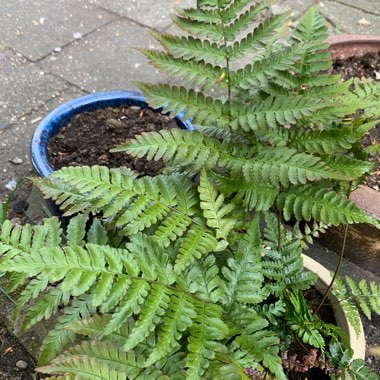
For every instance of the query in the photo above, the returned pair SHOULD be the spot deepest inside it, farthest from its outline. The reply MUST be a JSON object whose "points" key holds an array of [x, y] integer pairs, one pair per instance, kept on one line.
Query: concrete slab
{"points": [[107, 59], [370, 6], [36, 29], [349, 20], [155, 14], [15, 140], [24, 86], [298, 7]]}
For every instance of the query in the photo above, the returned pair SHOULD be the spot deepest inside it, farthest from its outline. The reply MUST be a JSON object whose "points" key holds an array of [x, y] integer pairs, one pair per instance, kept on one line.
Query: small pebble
{"points": [[21, 364], [16, 160], [77, 35]]}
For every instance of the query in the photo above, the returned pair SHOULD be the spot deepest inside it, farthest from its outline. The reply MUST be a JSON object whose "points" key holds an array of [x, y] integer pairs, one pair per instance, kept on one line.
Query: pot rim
{"points": [[61, 115], [357, 342]]}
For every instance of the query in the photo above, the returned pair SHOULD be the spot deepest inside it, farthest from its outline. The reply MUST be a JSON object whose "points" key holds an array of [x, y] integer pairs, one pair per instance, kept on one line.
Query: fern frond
{"points": [[200, 29], [204, 109], [190, 48], [283, 166], [76, 230], [206, 331], [235, 7], [251, 194], [199, 73], [244, 279], [59, 337], [260, 35], [328, 141], [213, 209], [197, 242], [365, 295], [201, 15], [340, 291], [84, 366], [244, 20], [176, 146], [322, 205]]}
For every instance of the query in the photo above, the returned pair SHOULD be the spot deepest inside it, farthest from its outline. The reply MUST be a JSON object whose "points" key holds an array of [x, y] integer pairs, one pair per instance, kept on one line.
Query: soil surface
{"points": [[367, 66], [89, 136], [15, 362]]}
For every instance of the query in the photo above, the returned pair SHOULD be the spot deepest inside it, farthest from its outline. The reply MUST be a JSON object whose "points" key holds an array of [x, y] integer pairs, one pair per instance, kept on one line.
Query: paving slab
{"points": [[155, 14], [348, 19], [298, 7], [15, 140], [24, 86], [36, 29], [370, 6], [107, 59]]}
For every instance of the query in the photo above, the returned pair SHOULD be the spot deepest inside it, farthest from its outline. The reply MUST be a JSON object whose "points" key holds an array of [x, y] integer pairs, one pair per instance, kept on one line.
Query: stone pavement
{"points": [[54, 50]]}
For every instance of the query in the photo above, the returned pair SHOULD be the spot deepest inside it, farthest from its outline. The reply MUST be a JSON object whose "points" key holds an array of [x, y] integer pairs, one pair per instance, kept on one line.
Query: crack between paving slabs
{"points": [[355, 7]]}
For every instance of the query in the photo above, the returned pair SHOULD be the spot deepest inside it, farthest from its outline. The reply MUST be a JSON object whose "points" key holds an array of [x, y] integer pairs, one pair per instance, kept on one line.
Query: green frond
{"points": [[76, 230], [191, 48], [259, 36], [200, 29], [283, 166], [214, 209], [176, 146], [244, 278], [311, 27], [341, 292], [198, 73], [251, 195], [206, 332], [359, 371], [83, 367], [197, 242], [178, 319], [322, 205], [59, 337], [280, 110], [328, 141], [243, 20], [201, 15], [204, 109], [235, 7], [261, 71], [350, 168], [365, 295]]}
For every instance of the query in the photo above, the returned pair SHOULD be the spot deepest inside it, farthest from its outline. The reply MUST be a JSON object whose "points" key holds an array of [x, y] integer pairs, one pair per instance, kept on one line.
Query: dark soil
{"points": [[15, 362], [89, 136], [367, 66]]}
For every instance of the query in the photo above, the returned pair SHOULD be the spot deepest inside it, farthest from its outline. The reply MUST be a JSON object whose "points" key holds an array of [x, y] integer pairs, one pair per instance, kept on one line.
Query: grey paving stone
{"points": [[155, 14], [371, 6], [24, 86], [298, 7], [35, 27], [349, 20], [15, 141], [107, 59]]}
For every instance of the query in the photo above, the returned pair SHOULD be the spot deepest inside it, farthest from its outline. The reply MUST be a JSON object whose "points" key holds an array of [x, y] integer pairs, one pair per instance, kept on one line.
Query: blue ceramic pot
{"points": [[52, 123]]}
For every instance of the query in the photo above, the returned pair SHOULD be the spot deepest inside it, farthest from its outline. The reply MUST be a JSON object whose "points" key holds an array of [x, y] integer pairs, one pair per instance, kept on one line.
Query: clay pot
{"points": [[357, 342], [363, 243]]}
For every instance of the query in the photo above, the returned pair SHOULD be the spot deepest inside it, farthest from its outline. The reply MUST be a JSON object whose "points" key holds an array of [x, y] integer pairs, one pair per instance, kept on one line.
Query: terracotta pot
{"points": [[357, 342], [363, 243]]}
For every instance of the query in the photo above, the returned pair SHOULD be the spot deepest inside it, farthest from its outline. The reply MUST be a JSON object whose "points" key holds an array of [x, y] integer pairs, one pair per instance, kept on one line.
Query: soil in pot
{"points": [[89, 136], [367, 66]]}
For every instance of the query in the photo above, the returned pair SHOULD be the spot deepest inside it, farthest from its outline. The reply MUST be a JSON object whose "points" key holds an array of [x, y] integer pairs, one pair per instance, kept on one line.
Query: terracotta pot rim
{"points": [[357, 342], [346, 39]]}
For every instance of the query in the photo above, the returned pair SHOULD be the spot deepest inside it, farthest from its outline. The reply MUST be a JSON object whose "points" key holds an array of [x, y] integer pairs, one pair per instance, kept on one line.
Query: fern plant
{"points": [[173, 278]]}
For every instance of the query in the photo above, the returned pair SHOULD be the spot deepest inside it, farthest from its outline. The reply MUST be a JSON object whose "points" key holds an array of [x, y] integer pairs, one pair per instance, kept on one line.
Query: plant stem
{"points": [[340, 261], [279, 232]]}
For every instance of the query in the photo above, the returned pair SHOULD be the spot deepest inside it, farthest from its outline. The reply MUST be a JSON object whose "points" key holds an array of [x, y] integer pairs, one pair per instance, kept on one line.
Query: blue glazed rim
{"points": [[60, 116]]}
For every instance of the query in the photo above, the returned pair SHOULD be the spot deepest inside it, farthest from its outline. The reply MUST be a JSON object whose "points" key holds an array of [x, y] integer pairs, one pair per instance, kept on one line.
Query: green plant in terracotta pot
{"points": [[175, 278]]}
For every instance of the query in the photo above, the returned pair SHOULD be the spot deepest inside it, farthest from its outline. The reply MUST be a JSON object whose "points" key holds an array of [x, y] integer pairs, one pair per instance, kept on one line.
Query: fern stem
{"points": [[279, 232], [340, 261]]}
